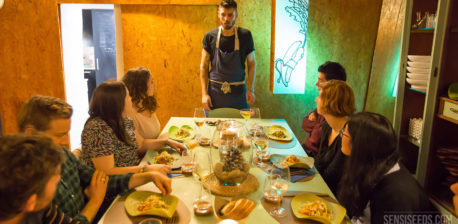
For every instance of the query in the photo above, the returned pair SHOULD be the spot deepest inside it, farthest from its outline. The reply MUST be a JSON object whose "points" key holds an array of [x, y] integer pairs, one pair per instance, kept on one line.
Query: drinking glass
{"points": [[202, 165], [255, 117], [203, 202], [187, 164], [199, 120], [279, 182], [270, 194], [262, 149], [246, 113]]}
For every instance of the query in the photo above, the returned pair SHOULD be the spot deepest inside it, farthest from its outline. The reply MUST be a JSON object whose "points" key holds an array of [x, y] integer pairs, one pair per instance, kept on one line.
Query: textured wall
{"points": [[168, 41], [30, 57], [386, 59], [343, 31]]}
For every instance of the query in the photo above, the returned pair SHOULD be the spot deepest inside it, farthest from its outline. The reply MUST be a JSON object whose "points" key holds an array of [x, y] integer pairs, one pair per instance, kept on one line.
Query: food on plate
{"points": [[212, 122], [183, 133], [290, 160], [153, 201], [316, 208], [238, 209], [279, 133], [164, 158]]}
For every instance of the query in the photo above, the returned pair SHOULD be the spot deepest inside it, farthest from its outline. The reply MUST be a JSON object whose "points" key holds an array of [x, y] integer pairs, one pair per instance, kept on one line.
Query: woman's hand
{"points": [[176, 145], [162, 182], [98, 187], [164, 169]]}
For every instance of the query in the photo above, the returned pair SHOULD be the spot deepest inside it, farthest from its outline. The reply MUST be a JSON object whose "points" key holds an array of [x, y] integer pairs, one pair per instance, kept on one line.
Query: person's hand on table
{"points": [[207, 102], [176, 145], [250, 97], [312, 117], [161, 168], [162, 182], [98, 186]]}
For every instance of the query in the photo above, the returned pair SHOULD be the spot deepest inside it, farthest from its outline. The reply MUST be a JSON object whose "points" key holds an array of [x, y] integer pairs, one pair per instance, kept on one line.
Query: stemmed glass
{"points": [[255, 117], [199, 119], [279, 183], [262, 145], [246, 113]]}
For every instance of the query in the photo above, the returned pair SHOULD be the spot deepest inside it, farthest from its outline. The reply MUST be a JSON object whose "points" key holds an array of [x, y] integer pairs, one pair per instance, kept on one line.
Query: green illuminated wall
{"points": [[343, 31], [385, 68]]}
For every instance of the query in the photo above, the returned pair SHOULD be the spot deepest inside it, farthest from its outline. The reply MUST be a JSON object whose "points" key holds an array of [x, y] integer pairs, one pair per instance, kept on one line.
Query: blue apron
{"points": [[227, 67]]}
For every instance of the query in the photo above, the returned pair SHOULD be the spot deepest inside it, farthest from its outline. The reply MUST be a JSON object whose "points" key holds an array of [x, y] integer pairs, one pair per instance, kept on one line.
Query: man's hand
{"points": [[98, 187], [161, 168], [162, 182], [312, 117], [176, 145], [206, 101], [250, 97]]}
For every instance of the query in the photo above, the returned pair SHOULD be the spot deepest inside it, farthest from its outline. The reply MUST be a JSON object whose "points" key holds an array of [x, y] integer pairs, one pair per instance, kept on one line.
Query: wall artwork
{"points": [[289, 48]]}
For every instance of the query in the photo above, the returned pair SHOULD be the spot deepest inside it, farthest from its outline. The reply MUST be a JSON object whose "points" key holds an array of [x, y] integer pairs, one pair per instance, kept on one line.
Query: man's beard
{"points": [[228, 27]]}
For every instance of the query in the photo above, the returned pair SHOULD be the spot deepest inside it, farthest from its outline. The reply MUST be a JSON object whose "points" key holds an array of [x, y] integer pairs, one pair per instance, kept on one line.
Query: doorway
{"points": [[89, 57]]}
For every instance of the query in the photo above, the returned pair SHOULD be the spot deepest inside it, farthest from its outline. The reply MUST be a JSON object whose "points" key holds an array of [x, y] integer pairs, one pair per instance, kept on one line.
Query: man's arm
{"points": [[251, 62], [204, 65]]}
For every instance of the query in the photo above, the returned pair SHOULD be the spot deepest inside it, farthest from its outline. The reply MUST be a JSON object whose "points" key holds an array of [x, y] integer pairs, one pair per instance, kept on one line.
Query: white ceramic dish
{"points": [[420, 82], [419, 64], [418, 76], [418, 70], [419, 58]]}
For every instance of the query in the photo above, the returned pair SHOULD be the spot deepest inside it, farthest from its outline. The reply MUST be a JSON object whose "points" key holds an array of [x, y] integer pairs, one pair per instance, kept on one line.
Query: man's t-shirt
{"points": [[227, 43]]}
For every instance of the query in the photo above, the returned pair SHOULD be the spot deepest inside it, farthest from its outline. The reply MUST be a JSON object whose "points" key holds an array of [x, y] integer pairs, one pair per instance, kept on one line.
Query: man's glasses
{"points": [[341, 132]]}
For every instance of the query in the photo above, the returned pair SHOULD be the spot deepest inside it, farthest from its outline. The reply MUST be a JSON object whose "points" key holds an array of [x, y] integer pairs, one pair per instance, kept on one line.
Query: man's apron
{"points": [[227, 87]]}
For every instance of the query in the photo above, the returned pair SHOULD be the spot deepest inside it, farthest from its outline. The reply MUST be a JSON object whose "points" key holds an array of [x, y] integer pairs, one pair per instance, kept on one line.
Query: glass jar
{"points": [[234, 153]]}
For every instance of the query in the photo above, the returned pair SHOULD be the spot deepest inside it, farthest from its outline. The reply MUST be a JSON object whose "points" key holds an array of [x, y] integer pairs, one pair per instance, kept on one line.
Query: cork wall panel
{"points": [[168, 41], [342, 31], [385, 69], [30, 56]]}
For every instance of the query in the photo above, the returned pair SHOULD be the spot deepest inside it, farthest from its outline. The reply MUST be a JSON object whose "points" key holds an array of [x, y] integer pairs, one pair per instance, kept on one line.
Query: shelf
{"points": [[447, 118], [425, 31], [418, 91], [443, 196]]}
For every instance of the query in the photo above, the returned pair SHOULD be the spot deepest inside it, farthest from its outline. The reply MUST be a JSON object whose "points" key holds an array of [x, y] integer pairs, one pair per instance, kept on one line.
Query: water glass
{"points": [[203, 202], [203, 166], [187, 164], [280, 179]]}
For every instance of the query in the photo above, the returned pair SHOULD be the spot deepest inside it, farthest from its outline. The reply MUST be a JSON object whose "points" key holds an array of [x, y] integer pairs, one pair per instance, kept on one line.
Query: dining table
{"points": [[187, 188]]}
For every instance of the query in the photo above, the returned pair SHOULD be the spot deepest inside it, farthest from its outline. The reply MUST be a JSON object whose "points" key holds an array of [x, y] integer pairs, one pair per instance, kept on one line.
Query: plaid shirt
{"points": [[52, 215], [75, 177]]}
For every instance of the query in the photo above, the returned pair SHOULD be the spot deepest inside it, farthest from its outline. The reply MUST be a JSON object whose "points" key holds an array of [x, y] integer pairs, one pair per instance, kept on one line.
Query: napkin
{"points": [[301, 173]]}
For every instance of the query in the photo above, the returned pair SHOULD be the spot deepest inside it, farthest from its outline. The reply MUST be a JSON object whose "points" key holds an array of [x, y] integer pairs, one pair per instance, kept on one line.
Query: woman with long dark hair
{"points": [[335, 103], [109, 140], [374, 183], [140, 84]]}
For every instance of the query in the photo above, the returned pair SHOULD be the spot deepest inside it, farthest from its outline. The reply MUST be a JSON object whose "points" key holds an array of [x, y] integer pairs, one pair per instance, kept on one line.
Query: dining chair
{"points": [[224, 113]]}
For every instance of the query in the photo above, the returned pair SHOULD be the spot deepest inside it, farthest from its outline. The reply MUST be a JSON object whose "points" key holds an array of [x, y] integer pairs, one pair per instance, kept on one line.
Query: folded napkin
{"points": [[298, 174]]}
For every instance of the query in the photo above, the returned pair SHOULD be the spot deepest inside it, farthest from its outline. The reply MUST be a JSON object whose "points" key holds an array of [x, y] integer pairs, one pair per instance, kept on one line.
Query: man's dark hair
{"points": [[333, 70], [228, 4], [39, 110], [26, 165]]}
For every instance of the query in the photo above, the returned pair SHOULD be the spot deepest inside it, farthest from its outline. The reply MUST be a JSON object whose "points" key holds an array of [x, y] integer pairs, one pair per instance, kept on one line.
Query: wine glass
{"points": [[246, 113], [279, 182], [202, 165], [255, 117], [262, 145], [199, 120]]}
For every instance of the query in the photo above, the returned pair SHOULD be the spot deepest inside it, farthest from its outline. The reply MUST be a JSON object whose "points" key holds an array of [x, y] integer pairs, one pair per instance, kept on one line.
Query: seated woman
{"points": [[374, 183], [335, 103], [140, 84], [108, 139]]}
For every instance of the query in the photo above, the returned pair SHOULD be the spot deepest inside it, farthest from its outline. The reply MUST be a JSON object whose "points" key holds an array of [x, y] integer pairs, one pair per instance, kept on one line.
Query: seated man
{"points": [[28, 185], [50, 116], [313, 121]]}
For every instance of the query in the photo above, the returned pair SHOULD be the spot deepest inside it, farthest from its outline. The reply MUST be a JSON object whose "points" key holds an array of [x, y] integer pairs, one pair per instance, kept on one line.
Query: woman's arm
{"points": [[145, 144], [106, 164]]}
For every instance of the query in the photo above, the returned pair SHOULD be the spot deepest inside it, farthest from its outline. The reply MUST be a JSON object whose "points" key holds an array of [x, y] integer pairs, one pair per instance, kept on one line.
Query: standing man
{"points": [[227, 48]]}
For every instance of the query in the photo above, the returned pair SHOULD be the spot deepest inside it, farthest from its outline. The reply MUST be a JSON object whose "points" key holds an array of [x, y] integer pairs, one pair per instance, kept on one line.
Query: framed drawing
{"points": [[288, 46]]}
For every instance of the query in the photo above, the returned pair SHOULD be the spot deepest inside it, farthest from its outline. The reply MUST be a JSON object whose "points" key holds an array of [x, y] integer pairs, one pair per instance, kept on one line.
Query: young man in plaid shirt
{"points": [[51, 116]]}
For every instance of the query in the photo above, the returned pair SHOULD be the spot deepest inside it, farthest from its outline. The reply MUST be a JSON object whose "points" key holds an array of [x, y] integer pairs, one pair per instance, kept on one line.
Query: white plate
{"points": [[419, 64], [420, 82], [419, 58], [419, 88], [418, 76], [419, 70]]}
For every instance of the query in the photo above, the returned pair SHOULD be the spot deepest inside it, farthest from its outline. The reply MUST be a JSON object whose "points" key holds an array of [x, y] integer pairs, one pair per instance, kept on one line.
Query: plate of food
{"points": [[279, 133], [167, 156], [182, 133], [310, 206], [150, 203], [292, 161]]}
